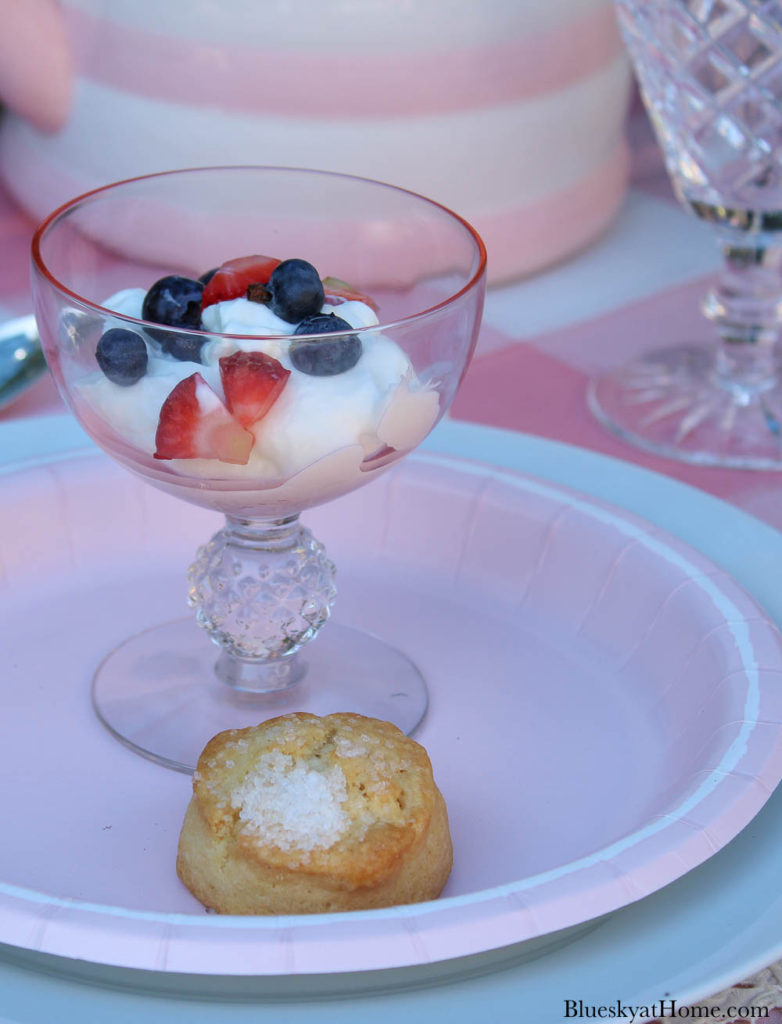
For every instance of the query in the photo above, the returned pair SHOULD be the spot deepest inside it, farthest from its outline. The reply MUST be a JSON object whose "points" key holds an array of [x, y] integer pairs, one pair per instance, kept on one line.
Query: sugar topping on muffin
{"points": [[291, 804]]}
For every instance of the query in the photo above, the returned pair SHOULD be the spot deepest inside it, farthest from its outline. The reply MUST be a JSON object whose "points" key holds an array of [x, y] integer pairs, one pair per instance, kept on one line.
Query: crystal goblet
{"points": [[710, 73], [262, 437]]}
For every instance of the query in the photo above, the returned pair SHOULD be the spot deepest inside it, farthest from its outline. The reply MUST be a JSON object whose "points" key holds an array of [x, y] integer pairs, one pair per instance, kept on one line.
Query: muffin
{"points": [[305, 815]]}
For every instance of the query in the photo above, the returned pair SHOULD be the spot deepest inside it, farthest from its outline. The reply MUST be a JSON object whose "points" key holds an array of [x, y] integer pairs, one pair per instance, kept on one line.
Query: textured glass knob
{"points": [[262, 589]]}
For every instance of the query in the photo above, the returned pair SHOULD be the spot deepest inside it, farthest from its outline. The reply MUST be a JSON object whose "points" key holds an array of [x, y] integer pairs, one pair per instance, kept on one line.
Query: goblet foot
{"points": [[674, 402], [160, 695]]}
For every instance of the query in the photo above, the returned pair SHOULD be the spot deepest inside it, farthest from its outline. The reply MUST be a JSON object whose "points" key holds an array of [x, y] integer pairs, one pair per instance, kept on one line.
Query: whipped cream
{"points": [[377, 404]]}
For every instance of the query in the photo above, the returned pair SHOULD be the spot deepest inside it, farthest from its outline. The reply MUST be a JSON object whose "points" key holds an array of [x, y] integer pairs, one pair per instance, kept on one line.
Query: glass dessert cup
{"points": [[711, 80], [262, 588]]}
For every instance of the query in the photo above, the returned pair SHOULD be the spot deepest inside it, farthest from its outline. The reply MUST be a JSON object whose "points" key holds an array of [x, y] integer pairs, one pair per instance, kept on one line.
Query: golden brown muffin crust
{"points": [[317, 806]]}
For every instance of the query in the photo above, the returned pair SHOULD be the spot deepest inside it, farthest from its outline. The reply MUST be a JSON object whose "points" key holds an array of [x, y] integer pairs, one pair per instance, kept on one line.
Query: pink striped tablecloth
{"points": [[638, 286]]}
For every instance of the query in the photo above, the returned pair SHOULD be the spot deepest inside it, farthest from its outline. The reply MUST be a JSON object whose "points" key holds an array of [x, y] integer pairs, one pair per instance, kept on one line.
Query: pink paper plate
{"points": [[605, 713]]}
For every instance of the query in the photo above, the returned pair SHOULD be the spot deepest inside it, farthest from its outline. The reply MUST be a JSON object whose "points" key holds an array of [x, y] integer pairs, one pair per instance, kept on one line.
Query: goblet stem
{"points": [[719, 405], [262, 589], [745, 306]]}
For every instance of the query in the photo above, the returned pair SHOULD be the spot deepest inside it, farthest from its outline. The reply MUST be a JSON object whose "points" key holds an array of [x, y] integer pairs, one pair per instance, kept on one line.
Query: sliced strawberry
{"points": [[232, 279], [382, 457], [340, 291], [252, 382], [194, 424]]}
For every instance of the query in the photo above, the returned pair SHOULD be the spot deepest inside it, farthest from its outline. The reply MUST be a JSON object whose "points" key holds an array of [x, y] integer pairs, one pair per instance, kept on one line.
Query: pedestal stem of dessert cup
{"points": [[262, 589]]}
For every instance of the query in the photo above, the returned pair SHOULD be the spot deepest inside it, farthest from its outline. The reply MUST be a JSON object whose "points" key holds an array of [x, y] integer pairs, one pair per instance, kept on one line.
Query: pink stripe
{"points": [[520, 240], [528, 238], [357, 84]]}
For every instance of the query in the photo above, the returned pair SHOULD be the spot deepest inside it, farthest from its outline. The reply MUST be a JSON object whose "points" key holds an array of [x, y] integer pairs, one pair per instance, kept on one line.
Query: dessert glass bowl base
{"points": [[157, 692], [672, 402]]}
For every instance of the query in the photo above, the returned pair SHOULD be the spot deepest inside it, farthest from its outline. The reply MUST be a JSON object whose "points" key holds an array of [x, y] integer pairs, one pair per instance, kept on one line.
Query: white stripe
{"points": [[494, 158], [303, 25]]}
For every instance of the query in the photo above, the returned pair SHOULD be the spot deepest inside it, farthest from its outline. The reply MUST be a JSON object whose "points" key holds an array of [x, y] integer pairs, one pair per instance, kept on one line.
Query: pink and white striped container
{"points": [[509, 111]]}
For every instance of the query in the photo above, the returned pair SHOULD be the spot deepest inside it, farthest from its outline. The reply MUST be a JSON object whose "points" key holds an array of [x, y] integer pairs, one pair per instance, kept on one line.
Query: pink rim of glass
{"points": [[72, 204]]}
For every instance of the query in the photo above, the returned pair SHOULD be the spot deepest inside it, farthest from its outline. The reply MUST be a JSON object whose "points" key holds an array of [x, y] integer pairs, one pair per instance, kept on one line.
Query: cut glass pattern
{"points": [[711, 75]]}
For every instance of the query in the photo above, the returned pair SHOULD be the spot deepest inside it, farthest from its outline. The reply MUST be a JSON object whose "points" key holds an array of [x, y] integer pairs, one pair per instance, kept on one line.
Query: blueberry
{"points": [[204, 279], [175, 301], [296, 291], [328, 357], [323, 323], [185, 347], [122, 355]]}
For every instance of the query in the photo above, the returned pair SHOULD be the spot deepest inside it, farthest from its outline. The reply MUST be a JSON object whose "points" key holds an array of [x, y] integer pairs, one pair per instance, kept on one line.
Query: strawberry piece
{"points": [[232, 279], [252, 382], [194, 424], [337, 291]]}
